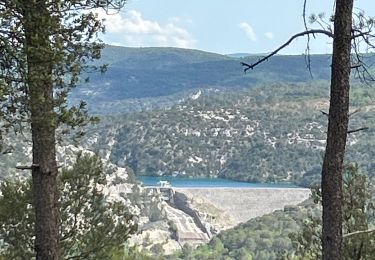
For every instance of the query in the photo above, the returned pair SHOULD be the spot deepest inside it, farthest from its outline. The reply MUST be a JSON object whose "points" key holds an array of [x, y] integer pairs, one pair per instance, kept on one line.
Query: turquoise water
{"points": [[208, 183]]}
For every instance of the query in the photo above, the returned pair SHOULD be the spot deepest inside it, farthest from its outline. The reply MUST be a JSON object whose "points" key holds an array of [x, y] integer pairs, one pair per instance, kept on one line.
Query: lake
{"points": [[179, 182]]}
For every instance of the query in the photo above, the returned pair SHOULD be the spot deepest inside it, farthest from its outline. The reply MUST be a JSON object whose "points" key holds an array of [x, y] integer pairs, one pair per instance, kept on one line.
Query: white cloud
{"points": [[269, 35], [133, 30], [248, 30]]}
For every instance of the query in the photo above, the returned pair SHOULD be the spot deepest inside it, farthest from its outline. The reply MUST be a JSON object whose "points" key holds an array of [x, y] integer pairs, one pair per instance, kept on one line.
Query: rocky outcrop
{"points": [[181, 202]]}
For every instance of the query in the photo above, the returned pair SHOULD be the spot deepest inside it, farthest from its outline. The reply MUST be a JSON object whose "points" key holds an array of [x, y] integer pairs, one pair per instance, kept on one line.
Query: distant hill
{"points": [[268, 133], [244, 55], [238, 55], [157, 73], [202, 116]]}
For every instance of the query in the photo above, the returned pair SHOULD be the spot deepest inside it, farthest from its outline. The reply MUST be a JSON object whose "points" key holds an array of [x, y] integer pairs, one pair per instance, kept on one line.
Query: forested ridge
{"points": [[268, 133], [73, 141], [148, 78]]}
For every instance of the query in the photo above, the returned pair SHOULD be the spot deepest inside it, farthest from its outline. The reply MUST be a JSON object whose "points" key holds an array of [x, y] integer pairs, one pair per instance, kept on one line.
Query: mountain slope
{"points": [[144, 73], [273, 133]]}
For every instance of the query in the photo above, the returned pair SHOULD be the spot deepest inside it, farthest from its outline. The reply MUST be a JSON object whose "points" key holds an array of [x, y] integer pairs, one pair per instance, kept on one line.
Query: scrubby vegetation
{"points": [[92, 224], [294, 233], [269, 133]]}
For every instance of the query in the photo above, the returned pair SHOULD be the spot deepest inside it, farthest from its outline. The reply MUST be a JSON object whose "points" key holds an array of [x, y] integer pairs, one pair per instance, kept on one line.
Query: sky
{"points": [[220, 26]]}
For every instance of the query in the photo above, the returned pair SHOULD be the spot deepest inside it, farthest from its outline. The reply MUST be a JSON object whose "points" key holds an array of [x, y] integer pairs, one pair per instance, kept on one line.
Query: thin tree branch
{"points": [[324, 113], [358, 33], [355, 112], [350, 114], [356, 66], [32, 167], [304, 15], [307, 51], [27, 167], [358, 232], [357, 130], [304, 33]]}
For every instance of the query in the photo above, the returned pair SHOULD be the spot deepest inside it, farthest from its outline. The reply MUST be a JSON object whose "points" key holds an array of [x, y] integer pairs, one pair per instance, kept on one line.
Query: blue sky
{"points": [[221, 26]]}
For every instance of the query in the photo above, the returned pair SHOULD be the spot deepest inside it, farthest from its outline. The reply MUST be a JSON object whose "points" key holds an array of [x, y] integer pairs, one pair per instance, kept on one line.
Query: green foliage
{"points": [[260, 238], [47, 44], [148, 204], [106, 224], [294, 233], [357, 209], [272, 133], [16, 220], [91, 225], [172, 229], [214, 250], [133, 253]]}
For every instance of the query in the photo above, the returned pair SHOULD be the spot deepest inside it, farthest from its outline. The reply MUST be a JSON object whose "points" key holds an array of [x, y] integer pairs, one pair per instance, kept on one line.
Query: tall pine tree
{"points": [[349, 33], [44, 46]]}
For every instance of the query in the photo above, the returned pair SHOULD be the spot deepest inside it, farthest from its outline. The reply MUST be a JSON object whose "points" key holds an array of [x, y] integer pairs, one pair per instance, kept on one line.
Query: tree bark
{"points": [[337, 132], [37, 24]]}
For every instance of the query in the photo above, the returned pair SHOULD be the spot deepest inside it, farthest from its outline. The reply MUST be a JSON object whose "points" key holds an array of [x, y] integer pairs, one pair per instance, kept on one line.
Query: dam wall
{"points": [[228, 207]]}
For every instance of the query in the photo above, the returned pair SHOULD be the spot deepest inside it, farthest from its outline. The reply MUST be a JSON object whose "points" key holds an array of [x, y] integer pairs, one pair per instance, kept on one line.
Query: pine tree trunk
{"points": [[337, 132], [37, 24]]}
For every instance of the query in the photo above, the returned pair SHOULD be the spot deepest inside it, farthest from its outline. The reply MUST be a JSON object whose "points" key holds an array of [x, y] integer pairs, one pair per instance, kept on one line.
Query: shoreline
{"points": [[239, 188], [227, 188]]}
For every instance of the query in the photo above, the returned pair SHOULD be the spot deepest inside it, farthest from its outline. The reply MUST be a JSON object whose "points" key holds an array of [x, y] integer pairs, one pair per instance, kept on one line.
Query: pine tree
{"points": [[350, 32], [93, 226], [44, 46]]}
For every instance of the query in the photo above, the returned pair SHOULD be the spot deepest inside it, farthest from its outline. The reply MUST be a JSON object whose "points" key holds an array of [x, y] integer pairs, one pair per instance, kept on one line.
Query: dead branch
{"points": [[356, 66], [358, 232], [27, 167], [350, 114], [304, 33], [324, 113], [357, 130], [32, 167], [307, 57], [355, 112]]}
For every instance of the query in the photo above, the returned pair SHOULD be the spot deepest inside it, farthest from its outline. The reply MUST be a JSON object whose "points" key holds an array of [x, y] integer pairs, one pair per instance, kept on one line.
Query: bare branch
{"points": [[361, 67], [304, 33], [27, 167], [304, 15], [355, 112], [358, 33], [358, 232], [307, 51], [32, 167], [356, 66], [357, 130], [324, 113], [350, 114]]}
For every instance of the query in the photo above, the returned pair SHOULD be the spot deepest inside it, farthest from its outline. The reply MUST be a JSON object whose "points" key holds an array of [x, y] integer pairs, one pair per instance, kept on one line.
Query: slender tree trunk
{"points": [[37, 24], [337, 132]]}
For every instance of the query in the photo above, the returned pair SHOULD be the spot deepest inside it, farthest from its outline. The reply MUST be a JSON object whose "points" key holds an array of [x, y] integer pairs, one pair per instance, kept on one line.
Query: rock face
{"points": [[199, 213], [188, 232], [223, 208]]}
